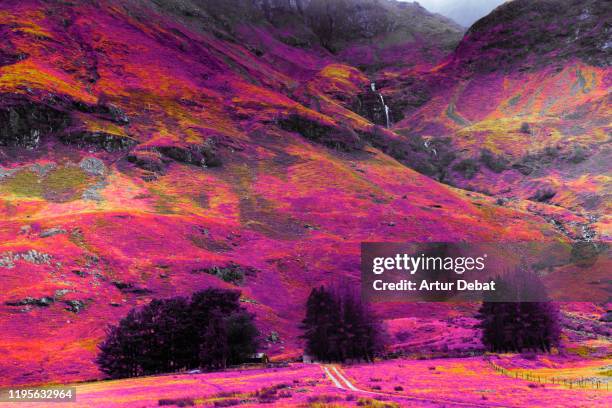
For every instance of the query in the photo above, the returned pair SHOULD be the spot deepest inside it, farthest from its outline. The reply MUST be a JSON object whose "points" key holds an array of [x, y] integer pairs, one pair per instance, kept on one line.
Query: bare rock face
{"points": [[204, 155], [334, 24], [97, 140], [335, 137], [23, 122], [148, 160]]}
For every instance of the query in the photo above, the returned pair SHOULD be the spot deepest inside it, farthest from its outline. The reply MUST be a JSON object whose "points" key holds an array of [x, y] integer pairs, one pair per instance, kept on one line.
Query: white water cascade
{"points": [[382, 101]]}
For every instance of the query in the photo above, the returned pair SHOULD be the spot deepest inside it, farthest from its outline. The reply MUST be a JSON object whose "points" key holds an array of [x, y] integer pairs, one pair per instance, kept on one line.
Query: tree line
{"points": [[211, 330]]}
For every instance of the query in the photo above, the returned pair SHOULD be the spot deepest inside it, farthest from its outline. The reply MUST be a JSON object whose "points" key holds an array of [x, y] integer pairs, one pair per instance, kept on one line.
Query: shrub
{"points": [[543, 195], [179, 402], [210, 330], [402, 336], [231, 273], [227, 402], [398, 388], [374, 403], [578, 155], [226, 394], [325, 398], [467, 168], [495, 163], [285, 394], [270, 394], [525, 128]]}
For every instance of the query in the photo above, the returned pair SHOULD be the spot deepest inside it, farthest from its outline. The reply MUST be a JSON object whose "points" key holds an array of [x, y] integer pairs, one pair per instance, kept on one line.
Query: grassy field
{"points": [[393, 383]]}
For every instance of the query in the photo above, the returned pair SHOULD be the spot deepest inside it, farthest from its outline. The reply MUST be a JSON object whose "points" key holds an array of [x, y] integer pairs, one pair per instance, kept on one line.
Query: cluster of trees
{"points": [[339, 327], [210, 330], [524, 320]]}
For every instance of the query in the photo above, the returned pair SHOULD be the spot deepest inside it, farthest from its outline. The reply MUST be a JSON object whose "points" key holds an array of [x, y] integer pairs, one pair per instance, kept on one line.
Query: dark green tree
{"points": [[339, 327], [211, 330], [519, 316]]}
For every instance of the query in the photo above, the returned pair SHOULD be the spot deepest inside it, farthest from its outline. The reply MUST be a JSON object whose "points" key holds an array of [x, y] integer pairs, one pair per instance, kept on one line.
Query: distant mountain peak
{"points": [[525, 34]]}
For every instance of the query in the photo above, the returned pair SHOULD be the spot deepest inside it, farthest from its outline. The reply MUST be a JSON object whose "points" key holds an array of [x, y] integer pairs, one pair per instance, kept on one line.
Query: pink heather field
{"points": [[186, 186], [443, 382]]}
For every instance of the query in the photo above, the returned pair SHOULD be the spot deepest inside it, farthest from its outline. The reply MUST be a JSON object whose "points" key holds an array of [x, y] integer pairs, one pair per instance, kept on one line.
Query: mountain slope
{"points": [[525, 101], [142, 158]]}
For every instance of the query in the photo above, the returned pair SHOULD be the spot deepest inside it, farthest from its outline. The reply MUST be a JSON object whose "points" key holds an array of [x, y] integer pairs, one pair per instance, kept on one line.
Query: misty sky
{"points": [[464, 12]]}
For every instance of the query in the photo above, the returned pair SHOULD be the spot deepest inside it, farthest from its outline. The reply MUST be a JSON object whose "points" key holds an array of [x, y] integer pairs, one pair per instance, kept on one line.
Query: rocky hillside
{"points": [[369, 34], [524, 103], [526, 34], [154, 148]]}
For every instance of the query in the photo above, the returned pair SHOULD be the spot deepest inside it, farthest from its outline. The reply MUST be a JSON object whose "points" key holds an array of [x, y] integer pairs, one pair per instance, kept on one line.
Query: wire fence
{"points": [[589, 383]]}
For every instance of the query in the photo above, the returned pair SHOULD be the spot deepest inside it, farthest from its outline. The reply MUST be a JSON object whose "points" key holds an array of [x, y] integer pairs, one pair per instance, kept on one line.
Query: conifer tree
{"points": [[339, 327], [210, 330], [519, 316]]}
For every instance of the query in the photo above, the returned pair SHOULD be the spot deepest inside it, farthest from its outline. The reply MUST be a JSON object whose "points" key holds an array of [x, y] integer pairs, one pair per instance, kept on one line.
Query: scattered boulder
{"points": [[61, 293], [44, 301], [32, 256], [93, 166], [74, 306], [52, 232], [127, 287]]}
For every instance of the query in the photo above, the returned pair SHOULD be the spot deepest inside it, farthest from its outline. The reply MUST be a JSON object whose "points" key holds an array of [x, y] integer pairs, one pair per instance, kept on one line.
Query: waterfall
{"points": [[386, 108], [387, 116], [382, 101]]}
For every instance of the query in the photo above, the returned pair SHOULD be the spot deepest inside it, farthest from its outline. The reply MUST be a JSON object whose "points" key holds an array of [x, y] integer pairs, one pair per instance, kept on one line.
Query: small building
{"points": [[308, 359], [258, 358]]}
